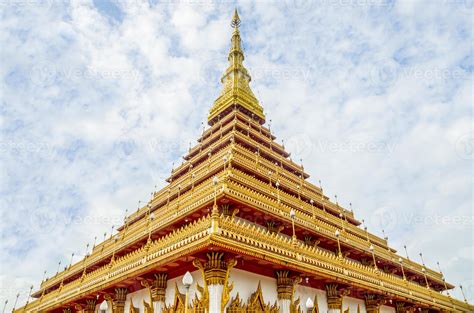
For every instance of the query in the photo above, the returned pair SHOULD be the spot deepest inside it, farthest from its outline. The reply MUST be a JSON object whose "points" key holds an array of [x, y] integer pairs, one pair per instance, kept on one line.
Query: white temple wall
{"points": [[246, 283], [137, 297]]}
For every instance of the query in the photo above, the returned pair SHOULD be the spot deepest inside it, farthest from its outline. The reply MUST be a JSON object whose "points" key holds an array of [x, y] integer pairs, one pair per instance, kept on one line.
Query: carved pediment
{"points": [[177, 306], [256, 303], [236, 305], [197, 305]]}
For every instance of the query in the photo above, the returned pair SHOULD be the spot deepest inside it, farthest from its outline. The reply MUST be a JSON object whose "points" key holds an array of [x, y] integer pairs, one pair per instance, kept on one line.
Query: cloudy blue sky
{"points": [[99, 98]]}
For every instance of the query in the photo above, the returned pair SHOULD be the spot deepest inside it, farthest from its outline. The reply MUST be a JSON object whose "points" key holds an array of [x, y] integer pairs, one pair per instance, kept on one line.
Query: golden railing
{"points": [[389, 255], [228, 122], [269, 204], [290, 181]]}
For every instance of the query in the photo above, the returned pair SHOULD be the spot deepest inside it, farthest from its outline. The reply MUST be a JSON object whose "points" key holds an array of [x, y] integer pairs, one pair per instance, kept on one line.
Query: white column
{"points": [[334, 311], [158, 306], [215, 298], [284, 305]]}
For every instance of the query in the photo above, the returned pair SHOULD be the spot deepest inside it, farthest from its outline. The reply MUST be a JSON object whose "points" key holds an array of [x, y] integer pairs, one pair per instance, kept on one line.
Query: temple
{"points": [[239, 228]]}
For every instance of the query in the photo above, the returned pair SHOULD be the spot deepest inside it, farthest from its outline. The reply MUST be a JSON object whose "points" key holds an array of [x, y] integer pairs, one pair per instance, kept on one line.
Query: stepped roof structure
{"points": [[239, 203]]}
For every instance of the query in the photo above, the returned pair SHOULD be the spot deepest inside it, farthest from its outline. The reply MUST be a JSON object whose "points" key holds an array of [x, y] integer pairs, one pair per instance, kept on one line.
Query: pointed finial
{"points": [[235, 20], [422, 260], [406, 251], [59, 265], [4, 306], [463, 295], [16, 301]]}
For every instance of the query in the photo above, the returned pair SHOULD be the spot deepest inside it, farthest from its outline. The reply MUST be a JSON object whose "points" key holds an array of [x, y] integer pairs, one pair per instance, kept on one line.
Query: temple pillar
{"points": [[158, 292], [400, 307], [118, 303], [89, 306], [334, 298], [285, 291], [373, 303], [215, 297], [216, 273]]}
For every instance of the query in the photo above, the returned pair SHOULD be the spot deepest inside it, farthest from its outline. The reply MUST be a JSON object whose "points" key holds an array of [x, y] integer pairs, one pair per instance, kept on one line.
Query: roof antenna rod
{"points": [[444, 279], [406, 251]]}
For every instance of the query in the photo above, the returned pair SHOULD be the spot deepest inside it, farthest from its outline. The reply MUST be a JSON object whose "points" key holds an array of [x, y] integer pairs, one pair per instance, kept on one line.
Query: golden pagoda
{"points": [[239, 228]]}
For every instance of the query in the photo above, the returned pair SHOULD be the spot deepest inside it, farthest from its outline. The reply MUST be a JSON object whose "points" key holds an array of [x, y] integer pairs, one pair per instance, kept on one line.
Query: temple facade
{"points": [[239, 228]]}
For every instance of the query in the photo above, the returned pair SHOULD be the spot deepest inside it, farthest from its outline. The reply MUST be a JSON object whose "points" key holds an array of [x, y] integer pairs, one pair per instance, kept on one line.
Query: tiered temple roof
{"points": [[238, 191]]}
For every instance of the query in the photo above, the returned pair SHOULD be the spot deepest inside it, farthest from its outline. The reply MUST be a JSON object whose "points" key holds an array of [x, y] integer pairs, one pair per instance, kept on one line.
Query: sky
{"points": [[98, 100]]}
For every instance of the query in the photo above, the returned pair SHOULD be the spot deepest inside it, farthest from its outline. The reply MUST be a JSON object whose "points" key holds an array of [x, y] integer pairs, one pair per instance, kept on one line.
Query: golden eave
{"points": [[243, 188], [245, 238]]}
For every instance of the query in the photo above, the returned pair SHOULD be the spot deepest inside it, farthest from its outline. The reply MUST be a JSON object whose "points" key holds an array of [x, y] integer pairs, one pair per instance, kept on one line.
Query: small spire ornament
{"points": [[235, 23]]}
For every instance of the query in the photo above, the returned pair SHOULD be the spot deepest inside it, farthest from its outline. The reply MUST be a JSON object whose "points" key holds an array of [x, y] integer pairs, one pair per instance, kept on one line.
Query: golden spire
{"points": [[236, 91]]}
